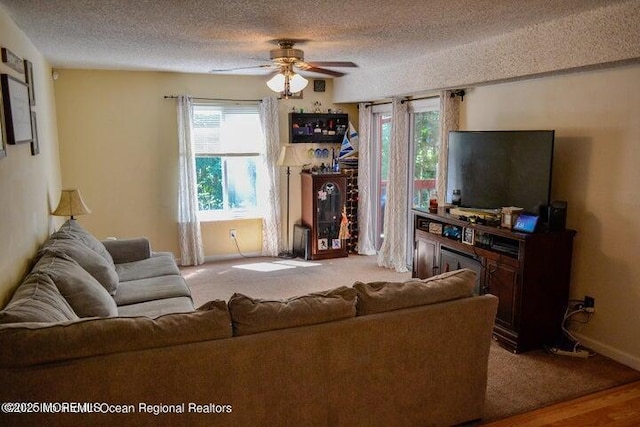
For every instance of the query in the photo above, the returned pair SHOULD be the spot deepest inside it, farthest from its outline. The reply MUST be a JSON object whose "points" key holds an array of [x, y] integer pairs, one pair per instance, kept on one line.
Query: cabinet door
{"points": [[329, 215], [501, 280], [424, 261]]}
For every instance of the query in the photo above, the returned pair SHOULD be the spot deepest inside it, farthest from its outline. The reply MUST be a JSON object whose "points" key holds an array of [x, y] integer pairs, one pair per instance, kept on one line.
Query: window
{"points": [[381, 135], [228, 142], [424, 149]]}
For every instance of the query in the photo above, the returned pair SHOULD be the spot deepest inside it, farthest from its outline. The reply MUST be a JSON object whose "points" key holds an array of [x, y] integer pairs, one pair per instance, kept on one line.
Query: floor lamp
{"points": [[289, 158]]}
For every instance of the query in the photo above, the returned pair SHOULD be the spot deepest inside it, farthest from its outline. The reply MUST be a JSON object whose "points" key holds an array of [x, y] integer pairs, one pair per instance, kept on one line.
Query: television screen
{"points": [[494, 169]]}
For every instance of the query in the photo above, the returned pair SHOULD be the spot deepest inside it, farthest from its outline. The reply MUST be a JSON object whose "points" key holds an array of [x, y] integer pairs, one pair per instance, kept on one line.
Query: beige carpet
{"points": [[517, 383]]}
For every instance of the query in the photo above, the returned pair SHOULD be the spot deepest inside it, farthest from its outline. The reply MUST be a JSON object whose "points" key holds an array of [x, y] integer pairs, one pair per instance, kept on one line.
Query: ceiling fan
{"points": [[286, 58]]}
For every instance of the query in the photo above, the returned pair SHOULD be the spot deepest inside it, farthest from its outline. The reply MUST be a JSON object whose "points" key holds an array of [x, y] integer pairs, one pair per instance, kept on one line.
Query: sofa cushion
{"points": [[73, 230], [85, 295], [37, 300], [24, 345], [154, 288], [97, 266], [376, 297], [252, 315], [157, 265], [157, 307], [128, 250]]}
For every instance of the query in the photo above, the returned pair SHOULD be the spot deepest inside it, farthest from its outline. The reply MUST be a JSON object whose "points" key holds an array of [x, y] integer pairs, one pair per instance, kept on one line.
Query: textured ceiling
{"points": [[196, 36]]}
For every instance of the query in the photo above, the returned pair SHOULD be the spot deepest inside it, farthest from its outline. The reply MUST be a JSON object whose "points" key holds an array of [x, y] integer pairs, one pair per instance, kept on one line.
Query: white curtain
{"points": [[393, 250], [366, 227], [191, 250], [449, 120], [272, 244]]}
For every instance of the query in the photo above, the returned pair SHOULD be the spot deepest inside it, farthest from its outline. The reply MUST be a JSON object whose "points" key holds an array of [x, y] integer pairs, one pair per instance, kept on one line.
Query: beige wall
{"points": [[118, 144], [595, 115], [29, 185]]}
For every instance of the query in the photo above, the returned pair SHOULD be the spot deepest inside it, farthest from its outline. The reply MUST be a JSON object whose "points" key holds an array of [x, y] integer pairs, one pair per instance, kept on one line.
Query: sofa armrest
{"points": [[128, 250]]}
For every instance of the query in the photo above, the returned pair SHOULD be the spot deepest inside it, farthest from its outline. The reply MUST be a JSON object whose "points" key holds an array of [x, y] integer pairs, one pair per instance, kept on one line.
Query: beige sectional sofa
{"points": [[374, 354]]}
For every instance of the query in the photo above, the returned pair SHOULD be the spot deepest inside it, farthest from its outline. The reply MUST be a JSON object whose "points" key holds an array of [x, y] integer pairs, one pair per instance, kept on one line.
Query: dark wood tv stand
{"points": [[529, 273]]}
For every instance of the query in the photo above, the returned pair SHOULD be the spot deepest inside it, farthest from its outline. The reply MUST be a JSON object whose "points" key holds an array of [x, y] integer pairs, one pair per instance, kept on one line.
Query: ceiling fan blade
{"points": [[305, 66], [332, 64], [220, 70]]}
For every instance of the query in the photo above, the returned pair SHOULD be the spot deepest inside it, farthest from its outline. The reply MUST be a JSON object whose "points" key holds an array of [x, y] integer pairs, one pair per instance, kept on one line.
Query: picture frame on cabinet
{"points": [[469, 236], [17, 112]]}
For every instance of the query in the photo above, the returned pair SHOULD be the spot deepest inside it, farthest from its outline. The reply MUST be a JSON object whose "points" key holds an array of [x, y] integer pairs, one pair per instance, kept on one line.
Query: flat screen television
{"points": [[494, 169]]}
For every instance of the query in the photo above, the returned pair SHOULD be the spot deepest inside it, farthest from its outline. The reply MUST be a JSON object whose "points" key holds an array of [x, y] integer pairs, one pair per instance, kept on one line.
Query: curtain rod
{"points": [[216, 99], [371, 104], [454, 93], [418, 99]]}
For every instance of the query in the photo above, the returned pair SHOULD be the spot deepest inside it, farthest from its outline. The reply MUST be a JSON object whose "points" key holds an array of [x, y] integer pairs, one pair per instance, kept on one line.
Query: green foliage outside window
{"points": [[209, 178], [427, 130]]}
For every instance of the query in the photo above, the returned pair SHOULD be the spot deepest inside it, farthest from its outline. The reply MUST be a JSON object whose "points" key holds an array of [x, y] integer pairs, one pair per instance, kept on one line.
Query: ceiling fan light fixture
{"points": [[277, 83], [297, 83]]}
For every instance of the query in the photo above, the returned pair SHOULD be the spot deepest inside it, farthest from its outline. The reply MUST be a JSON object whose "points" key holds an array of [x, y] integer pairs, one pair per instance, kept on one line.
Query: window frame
{"points": [[376, 168], [227, 214], [418, 106]]}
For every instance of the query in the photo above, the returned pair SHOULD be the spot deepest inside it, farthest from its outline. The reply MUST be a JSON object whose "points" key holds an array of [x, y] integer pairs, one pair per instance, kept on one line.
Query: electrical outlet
{"points": [[589, 304], [232, 233]]}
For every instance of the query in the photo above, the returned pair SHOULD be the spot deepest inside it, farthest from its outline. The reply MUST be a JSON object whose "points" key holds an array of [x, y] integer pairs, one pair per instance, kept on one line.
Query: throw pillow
{"points": [[73, 230], [88, 259], [253, 315], [377, 297], [37, 300], [85, 295]]}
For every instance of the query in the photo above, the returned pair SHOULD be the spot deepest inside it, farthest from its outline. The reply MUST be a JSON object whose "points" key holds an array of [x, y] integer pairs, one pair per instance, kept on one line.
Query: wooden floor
{"points": [[617, 407]]}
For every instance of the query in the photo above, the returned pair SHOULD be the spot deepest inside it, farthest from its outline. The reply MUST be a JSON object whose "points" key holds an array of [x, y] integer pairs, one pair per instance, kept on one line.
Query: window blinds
{"points": [[220, 130]]}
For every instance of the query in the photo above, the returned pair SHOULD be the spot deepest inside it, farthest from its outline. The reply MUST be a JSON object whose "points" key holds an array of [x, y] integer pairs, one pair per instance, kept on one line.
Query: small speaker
{"points": [[557, 216]]}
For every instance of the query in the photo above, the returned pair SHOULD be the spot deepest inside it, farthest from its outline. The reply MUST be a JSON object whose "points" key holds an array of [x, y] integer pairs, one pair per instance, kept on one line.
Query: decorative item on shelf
{"points": [[509, 215], [468, 236], [344, 226], [456, 198], [17, 113], [433, 201], [317, 107], [71, 204], [349, 145], [435, 228], [452, 232], [289, 158]]}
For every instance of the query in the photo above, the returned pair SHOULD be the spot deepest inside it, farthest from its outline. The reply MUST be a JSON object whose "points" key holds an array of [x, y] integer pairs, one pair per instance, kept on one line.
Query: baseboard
{"points": [[226, 257], [610, 352]]}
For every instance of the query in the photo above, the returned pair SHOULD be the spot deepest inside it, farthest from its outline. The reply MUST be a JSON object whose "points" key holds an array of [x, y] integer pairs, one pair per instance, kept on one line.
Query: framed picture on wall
{"points": [[12, 60], [28, 76], [17, 112], [3, 135], [35, 144]]}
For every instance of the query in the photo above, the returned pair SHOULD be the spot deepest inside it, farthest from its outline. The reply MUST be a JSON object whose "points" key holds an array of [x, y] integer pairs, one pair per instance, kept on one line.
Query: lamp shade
{"points": [[297, 83], [289, 156], [71, 204], [276, 83]]}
